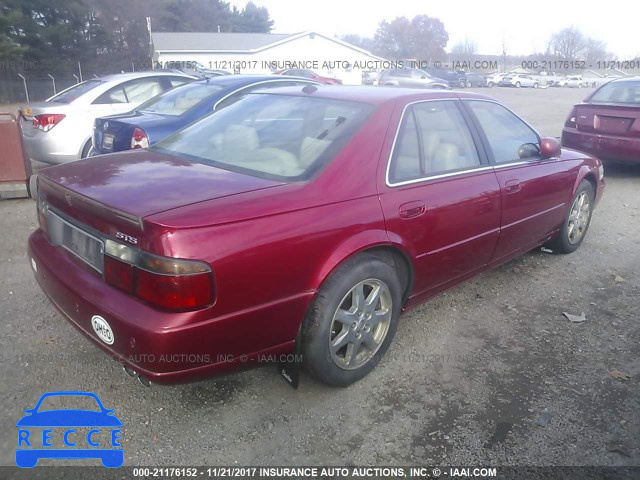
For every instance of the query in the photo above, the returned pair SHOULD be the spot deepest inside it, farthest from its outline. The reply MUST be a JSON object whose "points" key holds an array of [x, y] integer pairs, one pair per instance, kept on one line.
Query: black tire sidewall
{"points": [[316, 329]]}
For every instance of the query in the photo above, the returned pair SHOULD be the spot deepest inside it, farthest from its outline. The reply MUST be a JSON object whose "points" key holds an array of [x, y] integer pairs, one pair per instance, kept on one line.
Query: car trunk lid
{"points": [[608, 119], [115, 192]]}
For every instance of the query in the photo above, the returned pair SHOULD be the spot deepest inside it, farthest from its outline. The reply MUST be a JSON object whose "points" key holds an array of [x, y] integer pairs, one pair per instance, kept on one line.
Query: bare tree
{"points": [[595, 51], [466, 48], [568, 44]]}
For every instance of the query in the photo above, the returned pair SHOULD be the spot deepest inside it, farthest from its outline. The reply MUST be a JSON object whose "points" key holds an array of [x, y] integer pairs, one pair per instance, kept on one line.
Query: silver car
{"points": [[59, 129], [411, 78]]}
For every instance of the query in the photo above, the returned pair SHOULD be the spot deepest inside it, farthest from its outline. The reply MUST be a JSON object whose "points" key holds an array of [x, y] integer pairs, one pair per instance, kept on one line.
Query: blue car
{"points": [[52, 433], [173, 110]]}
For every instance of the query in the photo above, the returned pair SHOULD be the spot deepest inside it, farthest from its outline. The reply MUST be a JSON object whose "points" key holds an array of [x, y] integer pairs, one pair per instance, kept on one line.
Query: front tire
{"points": [[576, 221], [352, 321], [535, 85], [518, 84]]}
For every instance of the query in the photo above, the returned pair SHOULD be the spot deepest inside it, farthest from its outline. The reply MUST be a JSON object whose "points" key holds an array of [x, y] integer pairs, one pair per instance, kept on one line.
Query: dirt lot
{"points": [[466, 382]]}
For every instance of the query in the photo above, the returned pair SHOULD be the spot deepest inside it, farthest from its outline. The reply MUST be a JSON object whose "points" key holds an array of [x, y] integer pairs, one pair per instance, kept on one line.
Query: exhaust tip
{"points": [[144, 381], [129, 371]]}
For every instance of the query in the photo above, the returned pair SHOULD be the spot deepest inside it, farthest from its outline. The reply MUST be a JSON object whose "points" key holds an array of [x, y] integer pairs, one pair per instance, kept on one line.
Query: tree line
{"points": [[52, 36], [425, 38]]}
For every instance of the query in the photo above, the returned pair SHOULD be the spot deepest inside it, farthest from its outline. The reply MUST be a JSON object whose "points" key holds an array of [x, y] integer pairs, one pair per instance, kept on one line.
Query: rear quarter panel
{"points": [[281, 243]]}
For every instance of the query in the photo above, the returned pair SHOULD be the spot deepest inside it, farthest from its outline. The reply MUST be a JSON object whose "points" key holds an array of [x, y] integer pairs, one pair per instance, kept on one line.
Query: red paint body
{"points": [[271, 244], [611, 131]]}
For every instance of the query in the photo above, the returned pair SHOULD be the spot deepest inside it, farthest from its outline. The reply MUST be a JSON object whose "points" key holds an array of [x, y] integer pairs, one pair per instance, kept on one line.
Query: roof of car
{"points": [[133, 75], [239, 80], [625, 79], [376, 95]]}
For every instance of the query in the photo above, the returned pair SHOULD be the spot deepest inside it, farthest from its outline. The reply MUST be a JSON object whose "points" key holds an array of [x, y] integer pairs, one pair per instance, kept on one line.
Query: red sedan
{"points": [[607, 123], [306, 73], [299, 220]]}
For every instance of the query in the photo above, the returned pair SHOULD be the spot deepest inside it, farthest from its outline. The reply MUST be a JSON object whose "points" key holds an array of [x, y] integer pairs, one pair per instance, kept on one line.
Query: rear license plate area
{"points": [[107, 142], [75, 240]]}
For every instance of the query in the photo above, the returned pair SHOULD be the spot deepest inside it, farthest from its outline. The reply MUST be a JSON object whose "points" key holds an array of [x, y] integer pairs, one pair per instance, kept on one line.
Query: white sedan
{"points": [[59, 129], [519, 80]]}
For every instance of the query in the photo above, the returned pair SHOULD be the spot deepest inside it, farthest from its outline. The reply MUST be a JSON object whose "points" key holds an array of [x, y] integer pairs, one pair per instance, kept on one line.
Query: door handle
{"points": [[512, 186], [412, 209]]}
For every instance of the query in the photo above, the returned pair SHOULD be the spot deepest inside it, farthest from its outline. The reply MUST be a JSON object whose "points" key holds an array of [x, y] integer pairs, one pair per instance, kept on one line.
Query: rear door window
{"points": [[433, 139], [70, 94], [133, 91]]}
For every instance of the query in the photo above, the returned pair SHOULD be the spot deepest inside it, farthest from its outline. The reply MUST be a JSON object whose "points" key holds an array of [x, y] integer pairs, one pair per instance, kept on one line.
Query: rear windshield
{"points": [[618, 92], [177, 101], [275, 136], [71, 93]]}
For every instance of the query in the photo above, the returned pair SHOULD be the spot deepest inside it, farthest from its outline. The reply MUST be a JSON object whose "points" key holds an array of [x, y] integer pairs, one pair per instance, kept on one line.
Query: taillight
{"points": [[139, 139], [47, 121], [166, 282], [571, 120]]}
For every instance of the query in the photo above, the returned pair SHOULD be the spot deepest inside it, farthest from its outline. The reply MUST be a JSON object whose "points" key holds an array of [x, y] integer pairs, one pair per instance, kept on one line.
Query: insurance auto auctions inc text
{"points": [[350, 472], [275, 65]]}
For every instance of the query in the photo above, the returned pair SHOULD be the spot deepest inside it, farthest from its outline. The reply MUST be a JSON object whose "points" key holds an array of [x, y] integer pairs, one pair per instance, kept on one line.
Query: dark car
{"points": [[299, 220], [453, 78], [167, 113], [310, 74], [472, 79], [410, 78], [607, 123]]}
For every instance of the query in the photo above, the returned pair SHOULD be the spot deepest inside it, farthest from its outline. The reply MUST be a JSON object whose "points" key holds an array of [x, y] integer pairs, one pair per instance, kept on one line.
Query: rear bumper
{"points": [[48, 148], [164, 347], [605, 147]]}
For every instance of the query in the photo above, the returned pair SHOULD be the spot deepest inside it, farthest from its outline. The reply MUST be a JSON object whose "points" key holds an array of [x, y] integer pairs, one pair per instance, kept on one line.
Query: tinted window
{"points": [[433, 139], [618, 92], [176, 102], [401, 73], [70, 94], [177, 81], [280, 136], [505, 131], [133, 91]]}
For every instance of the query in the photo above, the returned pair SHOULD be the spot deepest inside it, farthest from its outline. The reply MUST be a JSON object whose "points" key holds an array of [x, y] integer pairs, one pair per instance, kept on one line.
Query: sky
{"points": [[525, 26]]}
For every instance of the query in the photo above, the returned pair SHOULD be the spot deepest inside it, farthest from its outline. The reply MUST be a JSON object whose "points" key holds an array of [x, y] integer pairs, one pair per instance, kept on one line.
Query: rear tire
{"points": [[576, 222], [85, 149], [518, 85], [352, 321]]}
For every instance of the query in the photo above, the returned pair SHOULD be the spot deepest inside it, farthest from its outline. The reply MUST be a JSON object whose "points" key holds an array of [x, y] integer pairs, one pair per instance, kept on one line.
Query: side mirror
{"points": [[550, 147], [423, 77], [528, 150]]}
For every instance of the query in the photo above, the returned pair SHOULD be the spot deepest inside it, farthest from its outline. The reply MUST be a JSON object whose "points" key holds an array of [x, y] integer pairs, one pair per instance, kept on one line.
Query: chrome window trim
{"points": [[436, 176], [275, 80]]}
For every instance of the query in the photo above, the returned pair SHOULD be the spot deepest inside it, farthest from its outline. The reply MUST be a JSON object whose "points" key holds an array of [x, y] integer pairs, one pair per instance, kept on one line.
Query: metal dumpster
{"points": [[15, 168]]}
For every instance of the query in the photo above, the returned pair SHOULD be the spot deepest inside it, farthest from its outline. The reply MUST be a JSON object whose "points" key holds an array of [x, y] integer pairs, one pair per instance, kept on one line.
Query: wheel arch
{"points": [[588, 174], [377, 244]]}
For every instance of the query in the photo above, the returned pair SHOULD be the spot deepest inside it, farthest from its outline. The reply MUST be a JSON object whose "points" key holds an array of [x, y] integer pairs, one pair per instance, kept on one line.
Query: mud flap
{"points": [[290, 369]]}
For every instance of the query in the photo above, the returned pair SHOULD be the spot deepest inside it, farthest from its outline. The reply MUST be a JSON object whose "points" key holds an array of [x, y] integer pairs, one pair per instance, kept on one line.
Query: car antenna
{"points": [[309, 89]]}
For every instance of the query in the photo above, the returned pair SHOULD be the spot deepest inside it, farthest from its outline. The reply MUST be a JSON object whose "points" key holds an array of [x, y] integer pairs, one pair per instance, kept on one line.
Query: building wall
{"points": [[319, 54]]}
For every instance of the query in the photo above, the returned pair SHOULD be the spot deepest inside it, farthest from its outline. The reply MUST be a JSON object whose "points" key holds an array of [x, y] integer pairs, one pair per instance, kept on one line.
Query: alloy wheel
{"points": [[360, 324], [578, 218]]}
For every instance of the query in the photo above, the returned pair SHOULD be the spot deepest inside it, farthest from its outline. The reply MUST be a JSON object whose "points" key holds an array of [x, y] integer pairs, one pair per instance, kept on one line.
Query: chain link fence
{"points": [[32, 89]]}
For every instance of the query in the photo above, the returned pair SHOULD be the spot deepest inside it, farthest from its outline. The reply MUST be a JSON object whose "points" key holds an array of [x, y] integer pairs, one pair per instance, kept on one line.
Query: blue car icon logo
{"points": [[69, 433]]}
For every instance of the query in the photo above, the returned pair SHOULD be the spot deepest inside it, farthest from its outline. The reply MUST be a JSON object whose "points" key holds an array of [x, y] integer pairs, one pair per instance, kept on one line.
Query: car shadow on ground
{"points": [[621, 170]]}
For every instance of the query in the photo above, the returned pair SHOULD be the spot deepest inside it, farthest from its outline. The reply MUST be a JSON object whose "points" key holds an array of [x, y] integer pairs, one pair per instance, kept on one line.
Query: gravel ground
{"points": [[466, 382]]}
